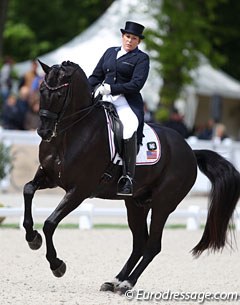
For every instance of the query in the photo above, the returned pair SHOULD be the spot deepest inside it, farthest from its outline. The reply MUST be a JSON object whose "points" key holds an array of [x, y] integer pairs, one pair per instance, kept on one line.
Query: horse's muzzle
{"points": [[45, 134]]}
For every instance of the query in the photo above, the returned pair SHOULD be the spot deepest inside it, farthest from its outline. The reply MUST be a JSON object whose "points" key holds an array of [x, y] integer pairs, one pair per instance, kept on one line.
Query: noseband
{"points": [[48, 114]]}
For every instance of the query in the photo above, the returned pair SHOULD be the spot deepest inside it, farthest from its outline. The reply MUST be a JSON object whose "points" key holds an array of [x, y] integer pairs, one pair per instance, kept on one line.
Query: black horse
{"points": [[74, 155]]}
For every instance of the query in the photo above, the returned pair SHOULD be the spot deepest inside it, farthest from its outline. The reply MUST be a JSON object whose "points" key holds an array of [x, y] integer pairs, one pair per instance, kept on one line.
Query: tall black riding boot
{"points": [[125, 183]]}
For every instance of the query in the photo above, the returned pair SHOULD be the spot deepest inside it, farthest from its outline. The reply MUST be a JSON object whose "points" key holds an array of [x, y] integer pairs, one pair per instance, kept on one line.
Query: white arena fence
{"points": [[194, 216]]}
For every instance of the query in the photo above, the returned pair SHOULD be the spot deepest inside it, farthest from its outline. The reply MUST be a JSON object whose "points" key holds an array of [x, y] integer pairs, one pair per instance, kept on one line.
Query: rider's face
{"points": [[130, 42]]}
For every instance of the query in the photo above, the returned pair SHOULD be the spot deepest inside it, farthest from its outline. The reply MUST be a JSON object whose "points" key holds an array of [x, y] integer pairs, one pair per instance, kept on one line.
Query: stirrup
{"points": [[125, 186]]}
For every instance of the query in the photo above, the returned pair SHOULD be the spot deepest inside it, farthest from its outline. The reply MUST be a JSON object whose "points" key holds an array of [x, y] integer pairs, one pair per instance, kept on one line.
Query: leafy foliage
{"points": [[178, 43], [226, 35], [35, 27], [5, 160]]}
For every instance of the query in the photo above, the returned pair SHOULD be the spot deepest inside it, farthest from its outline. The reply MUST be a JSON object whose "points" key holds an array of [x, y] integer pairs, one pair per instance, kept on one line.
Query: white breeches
{"points": [[126, 115]]}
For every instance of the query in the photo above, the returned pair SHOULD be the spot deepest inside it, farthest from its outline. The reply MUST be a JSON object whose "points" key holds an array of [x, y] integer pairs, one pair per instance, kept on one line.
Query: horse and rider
{"points": [[74, 155]]}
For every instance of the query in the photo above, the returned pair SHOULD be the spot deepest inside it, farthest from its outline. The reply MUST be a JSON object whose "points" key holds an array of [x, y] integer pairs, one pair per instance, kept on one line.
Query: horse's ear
{"points": [[45, 67]]}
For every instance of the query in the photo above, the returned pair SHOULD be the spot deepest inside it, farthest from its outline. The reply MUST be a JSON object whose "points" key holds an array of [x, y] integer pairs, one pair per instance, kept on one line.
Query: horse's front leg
{"points": [[69, 202], [33, 238], [40, 181]]}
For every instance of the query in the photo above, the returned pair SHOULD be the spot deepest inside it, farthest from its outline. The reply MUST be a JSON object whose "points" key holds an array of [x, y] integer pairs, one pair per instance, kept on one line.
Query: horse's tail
{"points": [[224, 196]]}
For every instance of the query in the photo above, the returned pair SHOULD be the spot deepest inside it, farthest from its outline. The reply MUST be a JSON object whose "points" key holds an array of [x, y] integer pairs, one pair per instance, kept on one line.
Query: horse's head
{"points": [[55, 95]]}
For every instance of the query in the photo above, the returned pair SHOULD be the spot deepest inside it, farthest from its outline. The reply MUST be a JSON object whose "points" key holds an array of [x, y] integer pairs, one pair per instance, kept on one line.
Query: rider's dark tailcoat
{"points": [[126, 75]]}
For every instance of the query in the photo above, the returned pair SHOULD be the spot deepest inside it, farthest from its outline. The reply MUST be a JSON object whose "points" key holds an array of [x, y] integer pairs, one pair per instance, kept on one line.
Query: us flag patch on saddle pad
{"points": [[149, 153], [152, 152]]}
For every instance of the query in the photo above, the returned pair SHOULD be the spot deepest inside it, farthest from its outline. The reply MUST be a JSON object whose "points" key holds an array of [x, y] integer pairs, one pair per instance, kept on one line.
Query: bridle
{"points": [[55, 88], [59, 117], [50, 114]]}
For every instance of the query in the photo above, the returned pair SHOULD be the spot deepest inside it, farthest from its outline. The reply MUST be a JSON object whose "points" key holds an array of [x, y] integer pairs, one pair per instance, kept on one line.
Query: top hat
{"points": [[133, 28]]}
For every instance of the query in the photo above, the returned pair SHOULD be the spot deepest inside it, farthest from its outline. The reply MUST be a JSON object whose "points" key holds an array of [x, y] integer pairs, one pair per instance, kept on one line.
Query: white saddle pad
{"points": [[149, 153]]}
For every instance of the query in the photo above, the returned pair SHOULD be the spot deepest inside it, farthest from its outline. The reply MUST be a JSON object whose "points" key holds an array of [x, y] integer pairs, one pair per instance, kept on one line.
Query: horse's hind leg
{"points": [[138, 225], [162, 207], [33, 238], [152, 248]]}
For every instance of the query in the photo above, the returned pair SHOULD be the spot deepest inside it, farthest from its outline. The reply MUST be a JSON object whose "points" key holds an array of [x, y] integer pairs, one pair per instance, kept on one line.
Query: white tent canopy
{"points": [[209, 81], [88, 47]]}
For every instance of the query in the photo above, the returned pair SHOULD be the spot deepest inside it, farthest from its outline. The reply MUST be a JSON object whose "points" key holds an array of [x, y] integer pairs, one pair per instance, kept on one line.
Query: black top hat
{"points": [[133, 28]]}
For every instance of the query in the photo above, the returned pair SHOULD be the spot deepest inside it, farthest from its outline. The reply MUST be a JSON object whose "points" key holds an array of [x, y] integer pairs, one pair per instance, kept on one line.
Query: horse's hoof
{"points": [[60, 271], [123, 288], [107, 287], [36, 243]]}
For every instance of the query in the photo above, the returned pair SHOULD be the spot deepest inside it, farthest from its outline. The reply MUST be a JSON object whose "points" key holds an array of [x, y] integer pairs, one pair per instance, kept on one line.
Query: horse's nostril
{"points": [[46, 135]]}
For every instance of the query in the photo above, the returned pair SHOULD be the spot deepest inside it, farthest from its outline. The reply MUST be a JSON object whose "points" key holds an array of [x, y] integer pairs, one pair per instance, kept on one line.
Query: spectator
{"points": [[36, 83], [23, 103], [29, 76], [220, 133], [6, 78], [176, 122], [32, 117], [207, 132], [11, 114], [34, 90]]}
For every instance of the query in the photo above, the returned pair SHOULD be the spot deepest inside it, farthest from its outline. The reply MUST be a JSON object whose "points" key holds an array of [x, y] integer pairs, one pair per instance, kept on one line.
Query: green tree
{"points": [[226, 29], [6, 160], [35, 27], [178, 43], [3, 17]]}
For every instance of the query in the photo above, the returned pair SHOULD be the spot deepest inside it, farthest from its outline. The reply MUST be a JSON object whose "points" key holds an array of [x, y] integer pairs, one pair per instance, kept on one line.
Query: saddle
{"points": [[149, 152]]}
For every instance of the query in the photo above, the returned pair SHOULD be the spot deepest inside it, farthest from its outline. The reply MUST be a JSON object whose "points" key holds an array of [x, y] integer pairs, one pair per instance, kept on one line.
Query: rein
{"points": [[89, 109]]}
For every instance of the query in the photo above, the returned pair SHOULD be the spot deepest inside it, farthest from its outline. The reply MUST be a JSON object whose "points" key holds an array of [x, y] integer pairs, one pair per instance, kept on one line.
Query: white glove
{"points": [[103, 90]]}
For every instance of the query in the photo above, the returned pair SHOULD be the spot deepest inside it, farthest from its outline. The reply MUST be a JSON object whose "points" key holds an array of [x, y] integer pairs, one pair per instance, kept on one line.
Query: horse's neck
{"points": [[79, 117], [80, 101], [87, 134], [88, 122]]}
